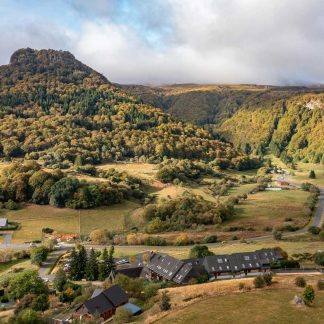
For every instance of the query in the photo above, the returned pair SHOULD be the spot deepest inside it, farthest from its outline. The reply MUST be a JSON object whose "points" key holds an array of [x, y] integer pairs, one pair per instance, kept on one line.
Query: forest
{"points": [[54, 109]]}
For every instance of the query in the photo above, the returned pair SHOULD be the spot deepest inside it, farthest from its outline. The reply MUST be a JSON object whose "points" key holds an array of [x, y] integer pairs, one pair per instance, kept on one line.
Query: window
{"points": [[246, 258], [250, 265], [243, 265], [219, 260]]}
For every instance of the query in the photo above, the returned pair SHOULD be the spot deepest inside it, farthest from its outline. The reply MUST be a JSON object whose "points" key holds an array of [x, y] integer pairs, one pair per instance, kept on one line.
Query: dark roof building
{"points": [[217, 264], [244, 261], [103, 303], [267, 256]]}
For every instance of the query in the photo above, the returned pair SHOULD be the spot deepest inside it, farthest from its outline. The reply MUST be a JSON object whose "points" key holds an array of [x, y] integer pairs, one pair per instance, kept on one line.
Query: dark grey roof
{"points": [[105, 300], [97, 292], [116, 295], [165, 265], [134, 309], [195, 261], [182, 273], [130, 270], [267, 256], [98, 305], [217, 263], [244, 261]]}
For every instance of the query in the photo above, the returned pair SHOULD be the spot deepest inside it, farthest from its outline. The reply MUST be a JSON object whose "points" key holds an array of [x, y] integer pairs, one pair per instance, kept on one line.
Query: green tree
{"points": [[41, 303], [199, 251], [74, 265], [319, 258], [103, 265], [26, 282], [82, 261], [165, 302], [308, 295], [27, 316], [92, 266], [60, 280], [38, 255], [111, 267], [312, 174]]}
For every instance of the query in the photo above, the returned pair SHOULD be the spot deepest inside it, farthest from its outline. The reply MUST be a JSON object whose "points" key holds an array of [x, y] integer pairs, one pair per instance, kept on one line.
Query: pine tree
{"points": [[60, 280], [103, 265], [165, 302], [312, 174], [110, 260], [82, 261], [92, 266], [74, 265]]}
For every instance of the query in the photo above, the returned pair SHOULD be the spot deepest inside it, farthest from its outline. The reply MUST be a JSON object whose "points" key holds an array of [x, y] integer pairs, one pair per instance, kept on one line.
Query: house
{"points": [[245, 262], [130, 270], [267, 256], [217, 265], [165, 267], [3, 222], [103, 303]]}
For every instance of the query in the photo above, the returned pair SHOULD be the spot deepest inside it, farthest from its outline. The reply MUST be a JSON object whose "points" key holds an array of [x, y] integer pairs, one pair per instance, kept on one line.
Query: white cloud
{"points": [[250, 41]]}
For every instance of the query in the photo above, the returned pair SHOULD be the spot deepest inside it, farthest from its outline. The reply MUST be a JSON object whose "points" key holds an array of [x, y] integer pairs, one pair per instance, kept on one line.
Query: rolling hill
{"points": [[55, 109], [287, 121]]}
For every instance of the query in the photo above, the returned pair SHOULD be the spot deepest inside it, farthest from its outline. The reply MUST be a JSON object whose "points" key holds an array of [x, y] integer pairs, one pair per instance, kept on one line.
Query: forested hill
{"points": [[287, 121], [55, 109]]}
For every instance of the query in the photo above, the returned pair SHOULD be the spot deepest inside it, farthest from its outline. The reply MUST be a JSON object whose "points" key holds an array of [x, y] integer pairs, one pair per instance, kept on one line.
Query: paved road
{"points": [[47, 265]]}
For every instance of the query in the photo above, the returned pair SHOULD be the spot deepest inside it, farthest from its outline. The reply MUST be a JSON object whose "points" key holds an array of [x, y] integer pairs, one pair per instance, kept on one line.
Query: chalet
{"points": [[3, 222], [103, 303]]}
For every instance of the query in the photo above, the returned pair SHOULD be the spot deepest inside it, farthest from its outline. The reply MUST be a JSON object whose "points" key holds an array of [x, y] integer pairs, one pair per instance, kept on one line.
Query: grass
{"points": [[260, 306], [33, 218], [231, 247], [270, 208], [7, 265]]}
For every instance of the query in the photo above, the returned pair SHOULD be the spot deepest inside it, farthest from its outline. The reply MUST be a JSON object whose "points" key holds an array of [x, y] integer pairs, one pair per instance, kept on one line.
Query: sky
{"points": [[176, 41]]}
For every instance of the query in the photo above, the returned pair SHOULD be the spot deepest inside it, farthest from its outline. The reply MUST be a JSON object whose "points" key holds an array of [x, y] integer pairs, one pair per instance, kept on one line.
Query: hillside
{"points": [[55, 109], [288, 120]]}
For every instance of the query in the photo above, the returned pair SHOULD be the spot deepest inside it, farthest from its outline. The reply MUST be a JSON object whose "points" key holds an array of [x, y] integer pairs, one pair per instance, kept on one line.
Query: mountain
{"points": [[55, 109], [287, 121]]}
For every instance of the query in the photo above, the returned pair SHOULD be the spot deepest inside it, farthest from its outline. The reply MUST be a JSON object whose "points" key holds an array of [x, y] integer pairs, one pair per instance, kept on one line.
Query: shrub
{"points": [[277, 235], [155, 241], [314, 230], [241, 285], [320, 284], [267, 277], [165, 302], [38, 255], [319, 258], [99, 236], [308, 295], [182, 239], [41, 303], [312, 174], [259, 282], [4, 299], [47, 230], [122, 315], [300, 282], [210, 239], [28, 316], [11, 205]]}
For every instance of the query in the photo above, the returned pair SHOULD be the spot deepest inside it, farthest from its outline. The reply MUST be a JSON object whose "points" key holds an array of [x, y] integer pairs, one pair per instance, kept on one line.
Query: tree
{"points": [[311, 174], [110, 261], [27, 316], [26, 282], [38, 255], [267, 277], [165, 302], [92, 267], [62, 191], [98, 236], [314, 230], [319, 258], [199, 251], [122, 315], [60, 280], [103, 265], [82, 261], [74, 265], [41, 303], [308, 295]]}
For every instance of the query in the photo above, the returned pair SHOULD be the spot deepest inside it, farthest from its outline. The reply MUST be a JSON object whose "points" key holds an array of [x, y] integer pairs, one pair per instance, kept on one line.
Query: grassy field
{"points": [[182, 252], [270, 208], [261, 306], [33, 218], [7, 265]]}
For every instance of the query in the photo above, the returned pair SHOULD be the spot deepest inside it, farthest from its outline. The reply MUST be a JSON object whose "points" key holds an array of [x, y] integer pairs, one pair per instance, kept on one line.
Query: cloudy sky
{"points": [[176, 41]]}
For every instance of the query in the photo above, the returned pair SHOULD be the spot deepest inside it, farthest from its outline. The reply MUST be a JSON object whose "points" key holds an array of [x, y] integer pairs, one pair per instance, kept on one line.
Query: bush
{"points": [[308, 295], [314, 230], [277, 235], [11, 205], [300, 282], [259, 282], [4, 299], [210, 239], [47, 230], [320, 284], [41, 303], [182, 239], [312, 174], [122, 315], [267, 277], [28, 316], [155, 241], [319, 258], [38, 255], [165, 302], [99, 236]]}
